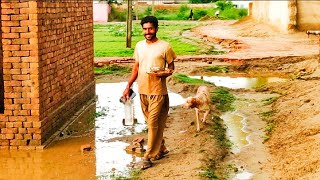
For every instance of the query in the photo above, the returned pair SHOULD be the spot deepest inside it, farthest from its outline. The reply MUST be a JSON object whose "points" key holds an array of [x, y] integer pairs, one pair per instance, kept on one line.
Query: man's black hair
{"points": [[150, 19]]}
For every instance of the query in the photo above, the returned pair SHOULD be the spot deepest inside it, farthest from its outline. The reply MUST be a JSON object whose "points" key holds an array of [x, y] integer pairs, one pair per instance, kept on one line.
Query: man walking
{"points": [[152, 54]]}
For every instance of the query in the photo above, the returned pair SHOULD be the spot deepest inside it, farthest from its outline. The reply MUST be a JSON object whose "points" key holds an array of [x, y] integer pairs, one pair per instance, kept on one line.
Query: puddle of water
{"points": [[64, 160], [110, 126], [239, 82], [236, 132], [243, 176]]}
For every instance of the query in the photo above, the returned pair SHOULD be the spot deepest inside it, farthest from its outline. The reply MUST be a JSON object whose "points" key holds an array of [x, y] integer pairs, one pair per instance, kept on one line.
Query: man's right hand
{"points": [[126, 93]]}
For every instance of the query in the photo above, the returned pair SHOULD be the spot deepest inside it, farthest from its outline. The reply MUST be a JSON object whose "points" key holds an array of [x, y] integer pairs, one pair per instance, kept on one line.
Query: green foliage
{"points": [[220, 132], [182, 78], [270, 100], [218, 69], [233, 13], [200, 1], [267, 116], [117, 14], [198, 13], [223, 5], [112, 69], [223, 99], [148, 11], [209, 173]]}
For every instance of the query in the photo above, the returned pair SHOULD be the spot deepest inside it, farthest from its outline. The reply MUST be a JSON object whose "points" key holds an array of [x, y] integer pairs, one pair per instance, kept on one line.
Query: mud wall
{"points": [[288, 15], [47, 66], [308, 15], [276, 13]]}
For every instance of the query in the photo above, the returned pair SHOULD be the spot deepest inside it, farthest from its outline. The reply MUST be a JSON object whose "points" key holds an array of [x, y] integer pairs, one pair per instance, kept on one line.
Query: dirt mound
{"points": [[295, 141]]}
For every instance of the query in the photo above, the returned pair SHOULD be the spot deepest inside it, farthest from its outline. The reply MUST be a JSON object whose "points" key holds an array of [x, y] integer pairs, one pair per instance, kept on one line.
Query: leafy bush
{"points": [[198, 13], [223, 5], [148, 11], [117, 14]]}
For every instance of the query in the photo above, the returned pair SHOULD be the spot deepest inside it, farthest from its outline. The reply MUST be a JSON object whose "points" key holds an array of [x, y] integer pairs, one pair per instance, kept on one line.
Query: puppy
{"points": [[200, 102]]}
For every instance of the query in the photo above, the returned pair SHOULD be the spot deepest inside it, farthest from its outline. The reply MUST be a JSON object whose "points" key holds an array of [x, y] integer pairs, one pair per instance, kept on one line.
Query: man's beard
{"points": [[152, 36]]}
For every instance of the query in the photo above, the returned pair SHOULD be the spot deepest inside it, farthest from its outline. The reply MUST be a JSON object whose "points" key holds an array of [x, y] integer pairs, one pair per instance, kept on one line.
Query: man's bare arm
{"points": [[133, 77]]}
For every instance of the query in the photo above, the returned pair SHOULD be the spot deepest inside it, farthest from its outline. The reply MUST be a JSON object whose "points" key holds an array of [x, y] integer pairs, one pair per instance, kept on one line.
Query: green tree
{"points": [[201, 1]]}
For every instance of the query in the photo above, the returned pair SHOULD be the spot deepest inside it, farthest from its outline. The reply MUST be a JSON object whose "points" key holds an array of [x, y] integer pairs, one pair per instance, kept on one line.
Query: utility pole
{"points": [[152, 7], [129, 24]]}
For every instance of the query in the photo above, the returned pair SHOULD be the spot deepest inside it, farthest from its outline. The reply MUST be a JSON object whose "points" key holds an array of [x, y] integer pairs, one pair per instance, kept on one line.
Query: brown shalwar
{"points": [[153, 91], [155, 110]]}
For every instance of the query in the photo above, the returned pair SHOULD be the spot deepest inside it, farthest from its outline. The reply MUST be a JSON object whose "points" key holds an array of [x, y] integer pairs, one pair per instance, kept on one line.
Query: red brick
{"points": [[6, 41], [13, 147], [29, 47], [10, 23], [10, 35], [27, 136], [33, 118], [37, 124], [29, 35], [22, 130], [35, 112], [21, 5], [17, 118], [36, 136], [21, 112], [13, 60], [5, 5], [10, 11], [29, 23], [32, 60], [9, 124], [27, 124], [20, 17], [20, 65], [12, 83], [12, 95], [20, 53], [19, 29], [2, 124], [9, 136], [21, 77], [11, 47], [33, 28]]}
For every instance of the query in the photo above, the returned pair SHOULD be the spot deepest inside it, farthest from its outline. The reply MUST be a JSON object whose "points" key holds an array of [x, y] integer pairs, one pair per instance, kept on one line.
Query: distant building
{"points": [[288, 15], [241, 4], [101, 11]]}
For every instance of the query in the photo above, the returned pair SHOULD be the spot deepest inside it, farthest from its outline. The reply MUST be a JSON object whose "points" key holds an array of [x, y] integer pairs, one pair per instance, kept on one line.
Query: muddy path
{"points": [[269, 155], [288, 151]]}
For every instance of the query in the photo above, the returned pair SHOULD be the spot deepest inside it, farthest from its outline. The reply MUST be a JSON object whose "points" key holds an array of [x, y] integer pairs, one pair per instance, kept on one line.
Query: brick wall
{"points": [[47, 65], [1, 76]]}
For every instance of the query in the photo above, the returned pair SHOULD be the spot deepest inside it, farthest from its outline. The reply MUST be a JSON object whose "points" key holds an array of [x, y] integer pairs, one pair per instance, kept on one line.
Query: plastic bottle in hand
{"points": [[128, 109]]}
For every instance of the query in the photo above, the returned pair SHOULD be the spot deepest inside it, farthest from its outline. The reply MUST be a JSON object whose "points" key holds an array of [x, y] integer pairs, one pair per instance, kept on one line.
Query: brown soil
{"points": [[292, 150]]}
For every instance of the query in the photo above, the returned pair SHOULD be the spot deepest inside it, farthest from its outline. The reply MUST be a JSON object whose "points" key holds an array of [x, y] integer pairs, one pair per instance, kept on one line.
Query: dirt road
{"points": [[291, 150]]}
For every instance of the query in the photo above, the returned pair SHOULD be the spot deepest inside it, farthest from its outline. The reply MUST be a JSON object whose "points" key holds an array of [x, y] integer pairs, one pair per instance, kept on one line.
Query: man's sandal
{"points": [[146, 164], [160, 155]]}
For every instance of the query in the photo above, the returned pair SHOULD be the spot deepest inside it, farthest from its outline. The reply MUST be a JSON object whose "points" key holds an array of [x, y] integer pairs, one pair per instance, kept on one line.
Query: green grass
{"points": [[110, 39], [220, 132], [218, 69], [182, 78], [112, 69], [267, 117], [270, 100], [209, 173], [223, 99]]}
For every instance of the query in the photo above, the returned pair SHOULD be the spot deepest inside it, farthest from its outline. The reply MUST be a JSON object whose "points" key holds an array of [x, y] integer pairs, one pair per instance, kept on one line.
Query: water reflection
{"points": [[239, 82], [62, 160], [236, 132], [112, 158]]}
